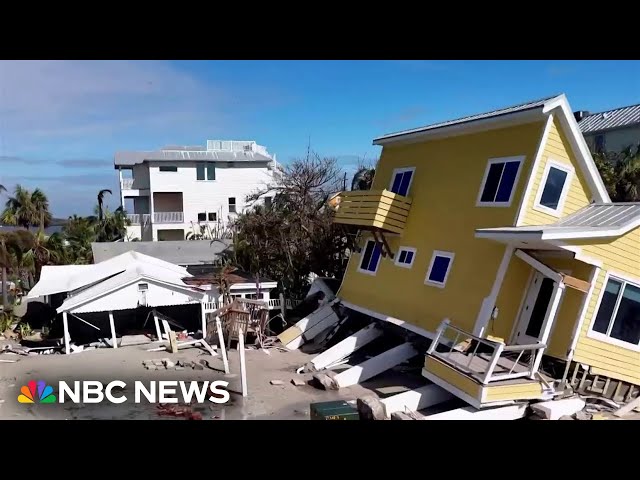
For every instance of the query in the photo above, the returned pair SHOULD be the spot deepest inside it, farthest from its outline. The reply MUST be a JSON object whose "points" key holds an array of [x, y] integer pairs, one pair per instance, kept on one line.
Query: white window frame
{"points": [[439, 253], [591, 333], [492, 161], [362, 270], [403, 170], [565, 188], [405, 249]]}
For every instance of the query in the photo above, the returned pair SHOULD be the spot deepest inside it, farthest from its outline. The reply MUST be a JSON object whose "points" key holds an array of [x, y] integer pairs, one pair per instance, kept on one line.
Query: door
{"points": [[535, 310]]}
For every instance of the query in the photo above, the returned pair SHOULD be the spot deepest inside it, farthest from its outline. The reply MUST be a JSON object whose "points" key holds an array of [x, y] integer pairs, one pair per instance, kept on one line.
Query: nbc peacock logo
{"points": [[36, 392]]}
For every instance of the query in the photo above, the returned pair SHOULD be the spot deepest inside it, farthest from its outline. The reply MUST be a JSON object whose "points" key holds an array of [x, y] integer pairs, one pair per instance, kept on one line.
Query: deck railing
{"points": [[273, 304], [139, 218], [527, 356], [127, 183], [168, 217], [379, 209]]}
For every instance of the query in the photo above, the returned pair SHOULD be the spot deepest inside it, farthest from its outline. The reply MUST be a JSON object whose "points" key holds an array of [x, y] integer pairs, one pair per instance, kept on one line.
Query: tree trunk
{"points": [[5, 292]]}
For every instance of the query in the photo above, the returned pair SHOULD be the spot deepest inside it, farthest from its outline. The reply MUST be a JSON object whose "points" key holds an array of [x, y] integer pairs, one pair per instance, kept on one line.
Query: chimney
{"points": [[580, 114]]}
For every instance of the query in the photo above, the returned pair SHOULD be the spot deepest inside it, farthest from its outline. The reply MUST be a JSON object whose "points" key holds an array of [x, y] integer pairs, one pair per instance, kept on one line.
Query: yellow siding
{"points": [[620, 255], [557, 148], [510, 298], [452, 377], [443, 216], [522, 391]]}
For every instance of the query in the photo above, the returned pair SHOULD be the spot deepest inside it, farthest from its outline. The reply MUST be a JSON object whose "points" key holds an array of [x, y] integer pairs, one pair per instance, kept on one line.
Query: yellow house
{"points": [[493, 235]]}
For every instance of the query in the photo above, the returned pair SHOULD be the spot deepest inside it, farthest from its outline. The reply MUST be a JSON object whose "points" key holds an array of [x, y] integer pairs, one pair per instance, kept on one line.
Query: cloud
{"points": [[85, 163], [14, 159], [403, 116], [560, 70], [45, 99]]}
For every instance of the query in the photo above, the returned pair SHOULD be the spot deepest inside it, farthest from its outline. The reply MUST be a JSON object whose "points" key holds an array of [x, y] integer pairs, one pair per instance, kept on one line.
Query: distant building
{"points": [[178, 189], [610, 131]]}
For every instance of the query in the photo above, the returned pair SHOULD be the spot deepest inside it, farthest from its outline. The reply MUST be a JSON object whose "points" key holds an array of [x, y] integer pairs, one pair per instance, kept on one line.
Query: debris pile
{"points": [[168, 364]]}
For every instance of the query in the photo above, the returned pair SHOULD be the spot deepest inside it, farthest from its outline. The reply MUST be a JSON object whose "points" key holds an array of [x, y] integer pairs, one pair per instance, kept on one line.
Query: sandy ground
{"points": [[265, 401]]}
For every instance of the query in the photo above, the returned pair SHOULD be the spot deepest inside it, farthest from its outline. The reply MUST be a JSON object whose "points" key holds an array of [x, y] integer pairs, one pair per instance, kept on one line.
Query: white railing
{"points": [[127, 183], [139, 218], [273, 304], [168, 217], [528, 356]]}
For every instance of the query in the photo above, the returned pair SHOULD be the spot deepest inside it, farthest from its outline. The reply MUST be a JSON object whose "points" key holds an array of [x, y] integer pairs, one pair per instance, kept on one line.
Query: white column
{"points": [[121, 190], [155, 320], [67, 338], [223, 349], [204, 320], [113, 330]]}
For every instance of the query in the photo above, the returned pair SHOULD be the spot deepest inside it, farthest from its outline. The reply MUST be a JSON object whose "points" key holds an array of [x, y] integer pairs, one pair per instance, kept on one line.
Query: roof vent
{"points": [[580, 114]]}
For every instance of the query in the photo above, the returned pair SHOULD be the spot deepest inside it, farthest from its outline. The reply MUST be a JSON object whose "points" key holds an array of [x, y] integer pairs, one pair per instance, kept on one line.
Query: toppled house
{"points": [[492, 239]]}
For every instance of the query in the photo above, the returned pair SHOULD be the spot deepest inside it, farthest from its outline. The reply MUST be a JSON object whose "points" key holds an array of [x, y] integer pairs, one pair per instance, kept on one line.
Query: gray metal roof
{"points": [[471, 118], [134, 158], [619, 117], [178, 252]]}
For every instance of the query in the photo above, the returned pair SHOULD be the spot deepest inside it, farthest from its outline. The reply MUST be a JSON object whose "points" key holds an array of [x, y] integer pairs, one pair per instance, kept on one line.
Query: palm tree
{"points": [[46, 250], [620, 172], [27, 209], [112, 227], [101, 194], [79, 232]]}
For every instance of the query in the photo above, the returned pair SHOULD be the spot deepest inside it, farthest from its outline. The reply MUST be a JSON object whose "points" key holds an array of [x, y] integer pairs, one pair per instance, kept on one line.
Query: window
{"points": [[618, 317], [599, 144], [439, 268], [142, 287], [213, 216], [202, 217], [555, 186], [401, 180], [205, 170], [267, 202], [499, 182], [168, 168], [405, 257], [370, 258], [232, 204]]}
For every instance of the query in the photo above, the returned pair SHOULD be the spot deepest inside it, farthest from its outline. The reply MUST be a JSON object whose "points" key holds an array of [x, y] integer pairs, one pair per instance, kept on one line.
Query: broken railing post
{"points": [[155, 319], [223, 350], [243, 367], [203, 316], [283, 306], [113, 330]]}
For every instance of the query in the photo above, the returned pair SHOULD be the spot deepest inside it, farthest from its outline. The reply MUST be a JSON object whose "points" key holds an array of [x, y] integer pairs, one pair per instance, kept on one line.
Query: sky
{"points": [[61, 122]]}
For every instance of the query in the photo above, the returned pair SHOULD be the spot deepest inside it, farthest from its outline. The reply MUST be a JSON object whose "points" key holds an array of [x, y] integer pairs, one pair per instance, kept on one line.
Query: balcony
{"points": [[168, 217], [373, 210], [139, 218], [485, 372]]}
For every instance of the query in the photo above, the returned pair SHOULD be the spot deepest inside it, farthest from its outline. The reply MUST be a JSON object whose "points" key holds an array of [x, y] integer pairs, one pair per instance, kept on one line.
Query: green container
{"points": [[336, 410]]}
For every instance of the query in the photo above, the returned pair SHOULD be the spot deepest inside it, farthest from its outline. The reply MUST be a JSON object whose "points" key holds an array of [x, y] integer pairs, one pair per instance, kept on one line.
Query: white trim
{"points": [[578, 255], [539, 266], [539, 233], [583, 312], [402, 170], [395, 321], [605, 337], [252, 286], [522, 208], [362, 270], [525, 294], [482, 320], [442, 254], [405, 249], [563, 167], [579, 146], [520, 159]]}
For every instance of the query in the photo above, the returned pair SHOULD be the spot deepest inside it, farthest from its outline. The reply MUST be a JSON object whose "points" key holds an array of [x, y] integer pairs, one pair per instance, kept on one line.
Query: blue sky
{"points": [[62, 121]]}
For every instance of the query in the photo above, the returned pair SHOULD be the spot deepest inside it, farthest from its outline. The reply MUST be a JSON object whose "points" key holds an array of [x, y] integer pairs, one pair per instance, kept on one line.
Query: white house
{"points": [[175, 190]]}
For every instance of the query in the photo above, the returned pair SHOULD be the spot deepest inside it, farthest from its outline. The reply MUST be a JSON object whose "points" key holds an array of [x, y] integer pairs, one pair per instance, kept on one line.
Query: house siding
{"points": [[619, 255], [558, 149], [444, 190]]}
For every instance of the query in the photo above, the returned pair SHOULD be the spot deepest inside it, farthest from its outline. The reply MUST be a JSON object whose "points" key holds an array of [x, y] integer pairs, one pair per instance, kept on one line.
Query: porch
{"points": [[500, 362]]}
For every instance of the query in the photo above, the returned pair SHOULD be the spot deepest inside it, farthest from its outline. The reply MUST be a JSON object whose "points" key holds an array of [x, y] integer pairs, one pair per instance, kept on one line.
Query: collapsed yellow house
{"points": [[494, 237]]}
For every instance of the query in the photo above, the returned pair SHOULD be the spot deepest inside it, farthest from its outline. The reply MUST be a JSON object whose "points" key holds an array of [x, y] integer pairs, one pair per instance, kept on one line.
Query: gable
{"points": [[556, 156]]}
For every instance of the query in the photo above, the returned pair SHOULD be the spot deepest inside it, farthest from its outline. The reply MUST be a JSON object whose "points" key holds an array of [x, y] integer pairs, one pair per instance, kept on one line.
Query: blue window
{"points": [[439, 268], [370, 257], [555, 187], [499, 181], [401, 180], [405, 257]]}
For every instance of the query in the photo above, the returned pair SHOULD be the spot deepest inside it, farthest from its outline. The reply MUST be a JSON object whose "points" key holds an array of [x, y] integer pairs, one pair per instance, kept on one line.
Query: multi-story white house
{"points": [[173, 191], [610, 131]]}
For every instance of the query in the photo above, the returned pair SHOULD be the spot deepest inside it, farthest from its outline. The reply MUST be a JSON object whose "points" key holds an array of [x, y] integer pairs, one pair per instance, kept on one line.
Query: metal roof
{"points": [[178, 252], [593, 221], [619, 117], [471, 118], [128, 158]]}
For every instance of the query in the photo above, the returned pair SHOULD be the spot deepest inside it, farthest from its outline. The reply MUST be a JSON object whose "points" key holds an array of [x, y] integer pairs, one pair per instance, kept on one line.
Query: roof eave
{"points": [[472, 126]]}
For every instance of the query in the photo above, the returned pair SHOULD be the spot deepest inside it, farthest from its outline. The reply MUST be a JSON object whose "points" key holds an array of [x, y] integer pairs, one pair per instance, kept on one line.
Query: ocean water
{"points": [[48, 230]]}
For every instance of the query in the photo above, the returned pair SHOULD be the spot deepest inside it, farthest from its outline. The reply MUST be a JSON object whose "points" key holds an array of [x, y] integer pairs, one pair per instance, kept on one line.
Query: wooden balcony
{"points": [[373, 210], [484, 372]]}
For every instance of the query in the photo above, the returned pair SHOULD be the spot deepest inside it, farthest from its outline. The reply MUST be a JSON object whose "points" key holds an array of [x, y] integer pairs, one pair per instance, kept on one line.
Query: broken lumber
{"points": [[414, 400], [346, 347], [626, 409], [310, 326]]}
